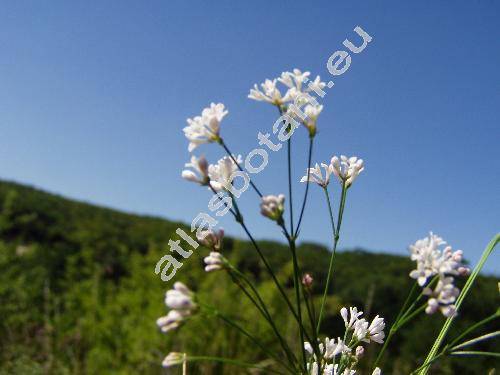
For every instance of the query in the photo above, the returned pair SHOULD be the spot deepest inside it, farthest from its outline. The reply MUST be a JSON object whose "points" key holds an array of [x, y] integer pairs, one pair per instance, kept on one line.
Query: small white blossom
{"points": [[316, 85], [350, 318], [442, 297], [173, 359], [172, 320], [347, 169], [294, 79], [270, 93], [316, 175], [220, 173], [272, 206], [205, 128], [432, 261], [211, 239], [361, 330], [312, 112], [332, 348], [199, 174], [180, 298], [215, 261], [376, 330], [377, 371], [180, 301]]}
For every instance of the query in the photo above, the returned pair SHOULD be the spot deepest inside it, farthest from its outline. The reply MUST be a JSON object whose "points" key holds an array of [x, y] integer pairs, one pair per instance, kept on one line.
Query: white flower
{"points": [[172, 320], [312, 112], [272, 206], [215, 261], [316, 85], [333, 349], [200, 173], [211, 239], [377, 371], [173, 359], [180, 298], [442, 297], [316, 175], [270, 93], [361, 330], [376, 330], [220, 173], [432, 261], [294, 79], [351, 318], [347, 169], [205, 128]]}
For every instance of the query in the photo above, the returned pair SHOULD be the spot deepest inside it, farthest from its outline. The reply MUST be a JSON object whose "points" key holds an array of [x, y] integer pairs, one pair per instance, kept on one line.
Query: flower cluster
{"points": [[205, 128], [297, 93], [272, 206], [346, 169], [181, 302], [341, 356], [444, 264], [220, 173]]}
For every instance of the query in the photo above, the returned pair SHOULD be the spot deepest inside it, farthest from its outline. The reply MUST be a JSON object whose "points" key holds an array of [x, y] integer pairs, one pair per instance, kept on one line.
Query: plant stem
{"points": [[223, 144], [474, 326], [470, 281], [290, 196], [336, 236], [261, 306], [311, 142]]}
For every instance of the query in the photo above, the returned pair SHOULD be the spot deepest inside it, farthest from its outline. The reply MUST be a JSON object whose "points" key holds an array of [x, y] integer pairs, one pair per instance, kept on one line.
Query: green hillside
{"points": [[79, 295]]}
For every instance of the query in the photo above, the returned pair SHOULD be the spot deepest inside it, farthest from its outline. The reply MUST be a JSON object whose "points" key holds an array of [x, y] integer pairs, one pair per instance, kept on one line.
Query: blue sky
{"points": [[93, 98]]}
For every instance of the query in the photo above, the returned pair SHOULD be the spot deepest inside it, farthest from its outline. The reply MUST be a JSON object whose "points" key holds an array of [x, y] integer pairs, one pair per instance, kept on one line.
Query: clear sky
{"points": [[93, 97]]}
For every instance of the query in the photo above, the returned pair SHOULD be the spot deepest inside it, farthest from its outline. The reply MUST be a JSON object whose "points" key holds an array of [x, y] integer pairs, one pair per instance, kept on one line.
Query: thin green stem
{"points": [[470, 281], [474, 326], [486, 354], [476, 340], [393, 329], [230, 154], [290, 196], [261, 306], [336, 236], [304, 201]]}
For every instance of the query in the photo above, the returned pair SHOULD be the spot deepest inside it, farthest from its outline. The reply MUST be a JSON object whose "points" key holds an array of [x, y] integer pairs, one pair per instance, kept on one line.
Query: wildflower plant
{"points": [[436, 264]]}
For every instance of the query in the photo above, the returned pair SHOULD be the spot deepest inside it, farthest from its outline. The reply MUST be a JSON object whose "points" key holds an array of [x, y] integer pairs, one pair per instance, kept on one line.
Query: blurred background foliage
{"points": [[79, 295]]}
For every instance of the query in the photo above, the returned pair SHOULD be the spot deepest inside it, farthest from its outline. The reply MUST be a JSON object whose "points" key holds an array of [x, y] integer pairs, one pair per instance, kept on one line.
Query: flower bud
{"points": [[272, 206]]}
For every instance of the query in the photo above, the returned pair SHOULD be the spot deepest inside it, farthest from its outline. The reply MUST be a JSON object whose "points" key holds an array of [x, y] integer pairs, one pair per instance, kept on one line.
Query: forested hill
{"points": [[79, 295]]}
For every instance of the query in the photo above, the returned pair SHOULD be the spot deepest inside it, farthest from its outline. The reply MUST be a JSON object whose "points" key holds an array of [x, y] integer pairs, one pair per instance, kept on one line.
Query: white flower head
{"points": [[273, 206], [211, 239], [376, 330], [347, 169], [173, 359], [180, 298], [442, 297], [377, 371], [332, 348], [270, 93], [215, 261], [199, 172], [172, 320], [350, 318], [316, 175], [312, 112], [294, 79], [205, 128], [431, 260], [221, 174]]}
